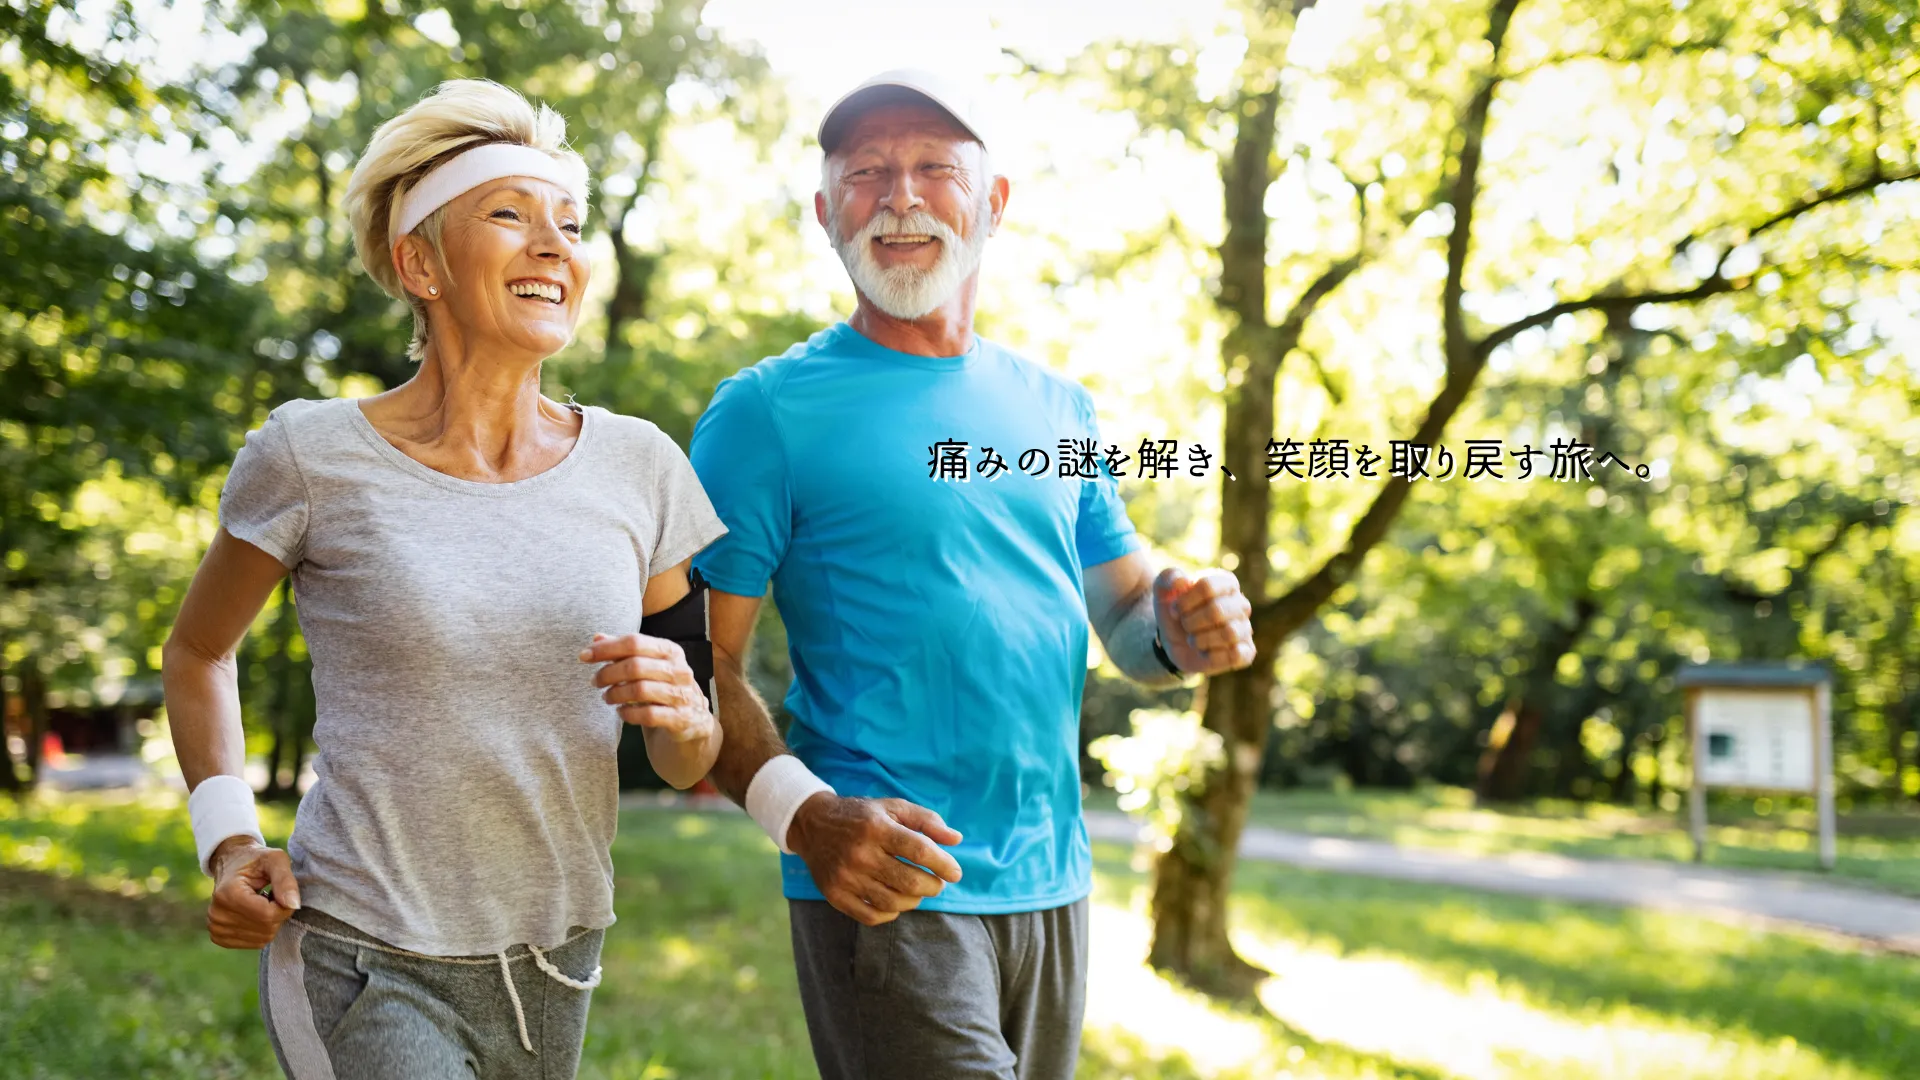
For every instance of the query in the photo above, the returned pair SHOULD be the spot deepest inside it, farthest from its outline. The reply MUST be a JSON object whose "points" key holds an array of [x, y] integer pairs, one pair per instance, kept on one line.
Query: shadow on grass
{"points": [[132, 844], [699, 969], [1110, 1052], [1582, 960], [27, 895]]}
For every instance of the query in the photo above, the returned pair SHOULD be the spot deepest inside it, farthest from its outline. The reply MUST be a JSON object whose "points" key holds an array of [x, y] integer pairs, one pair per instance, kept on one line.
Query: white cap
{"points": [[890, 87]]}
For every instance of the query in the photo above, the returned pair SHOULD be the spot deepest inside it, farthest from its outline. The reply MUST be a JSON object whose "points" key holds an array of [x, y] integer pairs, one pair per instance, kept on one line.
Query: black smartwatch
{"points": [[1160, 654]]}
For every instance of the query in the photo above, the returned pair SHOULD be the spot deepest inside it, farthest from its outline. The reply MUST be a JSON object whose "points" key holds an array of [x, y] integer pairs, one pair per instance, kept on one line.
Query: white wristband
{"points": [[777, 791], [221, 807]]}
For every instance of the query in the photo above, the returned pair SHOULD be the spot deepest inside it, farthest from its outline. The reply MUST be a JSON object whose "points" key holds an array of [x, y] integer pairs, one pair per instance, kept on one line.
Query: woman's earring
{"points": [[433, 290]]}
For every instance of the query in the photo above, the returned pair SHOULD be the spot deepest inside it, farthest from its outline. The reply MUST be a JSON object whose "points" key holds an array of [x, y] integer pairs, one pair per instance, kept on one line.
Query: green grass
{"points": [[1880, 848], [105, 971], [1777, 1005]]}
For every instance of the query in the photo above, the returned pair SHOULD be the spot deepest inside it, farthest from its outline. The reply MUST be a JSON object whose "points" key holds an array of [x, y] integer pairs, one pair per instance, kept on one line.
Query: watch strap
{"points": [[1160, 654]]}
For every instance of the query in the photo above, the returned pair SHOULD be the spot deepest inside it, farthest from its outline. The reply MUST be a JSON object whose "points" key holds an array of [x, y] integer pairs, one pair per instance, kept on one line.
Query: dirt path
{"points": [[1885, 919]]}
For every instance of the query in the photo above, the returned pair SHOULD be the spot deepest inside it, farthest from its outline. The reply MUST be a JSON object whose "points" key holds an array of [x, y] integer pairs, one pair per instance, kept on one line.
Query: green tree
{"points": [[124, 359], [158, 318], [1721, 170]]}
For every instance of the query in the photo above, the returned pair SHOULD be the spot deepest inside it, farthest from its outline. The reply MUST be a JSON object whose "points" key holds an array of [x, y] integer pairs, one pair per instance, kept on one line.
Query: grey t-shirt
{"points": [[465, 790]]}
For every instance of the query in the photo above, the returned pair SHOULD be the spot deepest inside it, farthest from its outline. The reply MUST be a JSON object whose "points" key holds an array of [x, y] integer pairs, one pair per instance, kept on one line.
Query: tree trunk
{"points": [[1896, 748], [1353, 745], [299, 763], [632, 270], [1504, 765], [1192, 879], [276, 752], [1656, 744], [1903, 715], [1565, 726], [280, 718], [1913, 724], [1912, 711], [9, 778], [1625, 784], [633, 278], [33, 695], [1903, 719], [1572, 766]]}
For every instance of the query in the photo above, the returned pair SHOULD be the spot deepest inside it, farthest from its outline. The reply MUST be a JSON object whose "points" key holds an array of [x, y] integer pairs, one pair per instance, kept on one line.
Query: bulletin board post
{"points": [[1763, 728]]}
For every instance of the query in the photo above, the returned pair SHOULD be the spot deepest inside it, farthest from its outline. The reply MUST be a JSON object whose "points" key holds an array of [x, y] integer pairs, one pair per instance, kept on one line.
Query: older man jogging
{"points": [[937, 863]]}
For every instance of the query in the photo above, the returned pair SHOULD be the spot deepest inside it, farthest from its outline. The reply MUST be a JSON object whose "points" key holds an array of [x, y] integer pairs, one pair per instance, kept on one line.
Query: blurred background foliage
{"points": [[178, 262]]}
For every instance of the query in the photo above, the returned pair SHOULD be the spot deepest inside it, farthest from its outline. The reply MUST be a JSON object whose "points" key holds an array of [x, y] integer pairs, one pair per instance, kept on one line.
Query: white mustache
{"points": [[885, 222], [909, 292]]}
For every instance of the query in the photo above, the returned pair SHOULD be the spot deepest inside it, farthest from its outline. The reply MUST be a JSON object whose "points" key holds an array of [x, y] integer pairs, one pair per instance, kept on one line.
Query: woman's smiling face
{"points": [[517, 264]]}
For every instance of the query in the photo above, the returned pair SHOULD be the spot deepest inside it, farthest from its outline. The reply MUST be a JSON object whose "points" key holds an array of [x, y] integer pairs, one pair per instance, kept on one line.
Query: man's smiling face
{"points": [[907, 201]]}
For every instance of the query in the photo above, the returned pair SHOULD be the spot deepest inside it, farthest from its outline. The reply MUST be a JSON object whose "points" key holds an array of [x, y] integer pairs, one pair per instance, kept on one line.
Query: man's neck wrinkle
{"points": [[945, 332]]}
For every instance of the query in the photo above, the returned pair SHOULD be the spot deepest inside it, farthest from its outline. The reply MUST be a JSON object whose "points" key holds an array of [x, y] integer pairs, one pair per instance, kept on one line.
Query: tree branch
{"points": [[1106, 265], [1286, 336], [1646, 51], [1797, 580], [1465, 189], [1334, 392], [1848, 192], [1713, 284], [1275, 619]]}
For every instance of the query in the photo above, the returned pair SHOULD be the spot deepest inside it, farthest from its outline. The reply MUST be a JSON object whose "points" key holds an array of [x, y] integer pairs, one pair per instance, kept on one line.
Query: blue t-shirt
{"points": [[937, 627]]}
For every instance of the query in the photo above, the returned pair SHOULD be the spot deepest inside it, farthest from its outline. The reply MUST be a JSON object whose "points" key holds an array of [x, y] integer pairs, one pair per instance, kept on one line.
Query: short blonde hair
{"points": [[457, 116]]}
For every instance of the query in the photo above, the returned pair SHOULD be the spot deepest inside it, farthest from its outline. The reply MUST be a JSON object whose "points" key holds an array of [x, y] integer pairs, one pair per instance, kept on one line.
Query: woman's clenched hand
{"points": [[239, 917], [648, 679]]}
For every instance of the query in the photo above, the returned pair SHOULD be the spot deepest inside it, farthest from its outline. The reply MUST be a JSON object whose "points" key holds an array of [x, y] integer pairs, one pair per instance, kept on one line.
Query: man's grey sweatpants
{"points": [[342, 1005], [938, 996]]}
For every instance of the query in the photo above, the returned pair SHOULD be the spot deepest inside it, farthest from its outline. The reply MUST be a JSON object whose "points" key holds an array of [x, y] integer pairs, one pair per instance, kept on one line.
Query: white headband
{"points": [[480, 165]]}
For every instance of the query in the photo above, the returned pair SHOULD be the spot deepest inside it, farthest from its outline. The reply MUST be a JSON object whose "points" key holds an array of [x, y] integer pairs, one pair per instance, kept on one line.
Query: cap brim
{"points": [[845, 112]]}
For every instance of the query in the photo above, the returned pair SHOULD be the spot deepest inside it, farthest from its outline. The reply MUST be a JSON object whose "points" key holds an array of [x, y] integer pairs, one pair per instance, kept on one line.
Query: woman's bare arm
{"points": [[203, 692], [203, 713]]}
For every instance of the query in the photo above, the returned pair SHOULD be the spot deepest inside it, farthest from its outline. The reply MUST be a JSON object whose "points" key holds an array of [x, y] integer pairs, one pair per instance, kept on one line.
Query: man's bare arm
{"points": [[750, 738]]}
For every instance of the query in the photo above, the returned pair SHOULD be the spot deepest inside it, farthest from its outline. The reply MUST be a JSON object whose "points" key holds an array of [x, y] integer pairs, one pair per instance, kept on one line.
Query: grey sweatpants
{"points": [[357, 1010], [938, 996]]}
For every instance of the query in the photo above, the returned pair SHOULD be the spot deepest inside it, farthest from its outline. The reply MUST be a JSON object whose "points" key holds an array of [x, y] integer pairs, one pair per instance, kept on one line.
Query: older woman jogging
{"points": [[482, 575]]}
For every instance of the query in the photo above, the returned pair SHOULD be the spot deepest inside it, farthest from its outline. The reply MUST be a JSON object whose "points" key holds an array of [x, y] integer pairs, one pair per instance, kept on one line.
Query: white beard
{"points": [[908, 292]]}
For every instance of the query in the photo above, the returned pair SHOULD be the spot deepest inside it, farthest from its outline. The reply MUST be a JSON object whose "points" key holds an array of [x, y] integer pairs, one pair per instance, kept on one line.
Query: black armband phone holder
{"points": [[685, 624]]}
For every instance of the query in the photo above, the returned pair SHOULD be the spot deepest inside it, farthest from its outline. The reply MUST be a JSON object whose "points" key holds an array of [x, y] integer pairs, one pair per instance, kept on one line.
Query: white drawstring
{"points": [[561, 977], [519, 1015], [513, 994]]}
